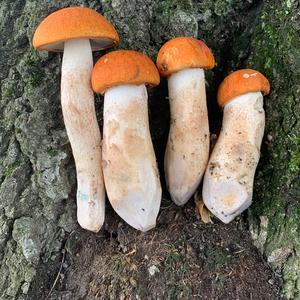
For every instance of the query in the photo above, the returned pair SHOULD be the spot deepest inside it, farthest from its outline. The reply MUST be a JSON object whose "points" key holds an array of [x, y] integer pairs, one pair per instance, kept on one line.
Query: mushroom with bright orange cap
{"points": [[76, 31], [183, 60], [228, 181], [129, 164]]}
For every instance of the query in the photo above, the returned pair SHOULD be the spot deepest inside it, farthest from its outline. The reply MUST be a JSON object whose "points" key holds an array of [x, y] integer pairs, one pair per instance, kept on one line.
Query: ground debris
{"points": [[172, 261], [201, 209]]}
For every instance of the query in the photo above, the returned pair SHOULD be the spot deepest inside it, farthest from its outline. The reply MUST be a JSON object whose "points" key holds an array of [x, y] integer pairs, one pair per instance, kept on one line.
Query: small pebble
{"points": [[152, 270]]}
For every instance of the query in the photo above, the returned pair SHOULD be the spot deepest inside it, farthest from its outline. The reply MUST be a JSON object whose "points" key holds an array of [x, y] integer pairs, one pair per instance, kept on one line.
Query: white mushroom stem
{"points": [[188, 143], [129, 164], [82, 128], [228, 181]]}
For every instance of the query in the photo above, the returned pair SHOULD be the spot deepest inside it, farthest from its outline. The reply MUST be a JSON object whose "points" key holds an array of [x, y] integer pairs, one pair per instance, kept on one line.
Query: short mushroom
{"points": [[183, 60], [228, 181], [129, 164], [76, 31]]}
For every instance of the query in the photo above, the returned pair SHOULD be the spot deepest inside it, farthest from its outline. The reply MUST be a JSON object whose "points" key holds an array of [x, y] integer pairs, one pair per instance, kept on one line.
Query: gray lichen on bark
{"points": [[37, 178]]}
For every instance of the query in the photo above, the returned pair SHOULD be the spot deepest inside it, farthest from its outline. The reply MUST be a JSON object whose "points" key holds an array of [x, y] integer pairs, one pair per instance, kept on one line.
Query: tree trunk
{"points": [[42, 249]]}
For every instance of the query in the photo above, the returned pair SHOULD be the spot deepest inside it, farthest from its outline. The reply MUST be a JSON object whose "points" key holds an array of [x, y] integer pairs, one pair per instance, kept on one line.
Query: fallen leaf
{"points": [[201, 209]]}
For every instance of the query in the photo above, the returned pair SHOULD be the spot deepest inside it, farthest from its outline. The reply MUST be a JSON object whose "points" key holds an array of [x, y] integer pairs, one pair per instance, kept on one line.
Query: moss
{"points": [[177, 272], [8, 171], [171, 258], [294, 163], [53, 153], [7, 93], [276, 52], [217, 257], [36, 78]]}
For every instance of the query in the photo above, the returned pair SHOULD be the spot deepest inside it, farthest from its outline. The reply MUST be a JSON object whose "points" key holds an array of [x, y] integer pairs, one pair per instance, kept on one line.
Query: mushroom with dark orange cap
{"points": [[228, 181], [129, 163], [76, 31], [183, 60]]}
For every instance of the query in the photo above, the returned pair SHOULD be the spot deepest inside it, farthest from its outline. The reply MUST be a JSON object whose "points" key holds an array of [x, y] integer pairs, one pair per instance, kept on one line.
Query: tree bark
{"points": [[37, 173]]}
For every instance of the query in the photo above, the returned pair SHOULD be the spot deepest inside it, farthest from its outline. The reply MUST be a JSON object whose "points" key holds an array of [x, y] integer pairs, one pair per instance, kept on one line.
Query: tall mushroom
{"points": [[228, 180], [76, 31], [129, 164], [183, 60]]}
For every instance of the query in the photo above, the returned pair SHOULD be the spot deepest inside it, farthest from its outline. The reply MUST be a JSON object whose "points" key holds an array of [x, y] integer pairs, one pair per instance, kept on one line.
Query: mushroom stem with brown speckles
{"points": [[76, 31], [228, 180], [77, 101], [129, 164], [183, 61]]}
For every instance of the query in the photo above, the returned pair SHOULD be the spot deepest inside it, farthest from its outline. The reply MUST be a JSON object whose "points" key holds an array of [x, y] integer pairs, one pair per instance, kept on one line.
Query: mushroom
{"points": [[76, 31], [129, 164], [183, 60], [228, 180]]}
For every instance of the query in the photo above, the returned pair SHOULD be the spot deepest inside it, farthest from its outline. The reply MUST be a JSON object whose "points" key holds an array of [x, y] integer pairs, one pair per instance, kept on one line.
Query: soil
{"points": [[182, 258]]}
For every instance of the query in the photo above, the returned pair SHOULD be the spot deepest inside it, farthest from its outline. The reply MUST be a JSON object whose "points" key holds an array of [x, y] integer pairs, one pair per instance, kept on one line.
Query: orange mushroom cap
{"points": [[123, 67], [74, 23], [181, 53], [241, 82]]}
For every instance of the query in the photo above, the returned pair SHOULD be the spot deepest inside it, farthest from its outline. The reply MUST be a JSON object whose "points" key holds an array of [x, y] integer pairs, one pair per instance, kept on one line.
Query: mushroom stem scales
{"points": [[188, 143], [228, 182], [77, 102], [183, 61], [129, 163]]}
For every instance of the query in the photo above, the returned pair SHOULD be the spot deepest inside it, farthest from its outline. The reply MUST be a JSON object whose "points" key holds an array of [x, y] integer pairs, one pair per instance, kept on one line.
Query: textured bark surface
{"points": [[275, 217], [37, 174]]}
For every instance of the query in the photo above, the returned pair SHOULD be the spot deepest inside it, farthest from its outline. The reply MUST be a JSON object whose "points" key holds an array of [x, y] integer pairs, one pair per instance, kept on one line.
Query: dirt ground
{"points": [[182, 258]]}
